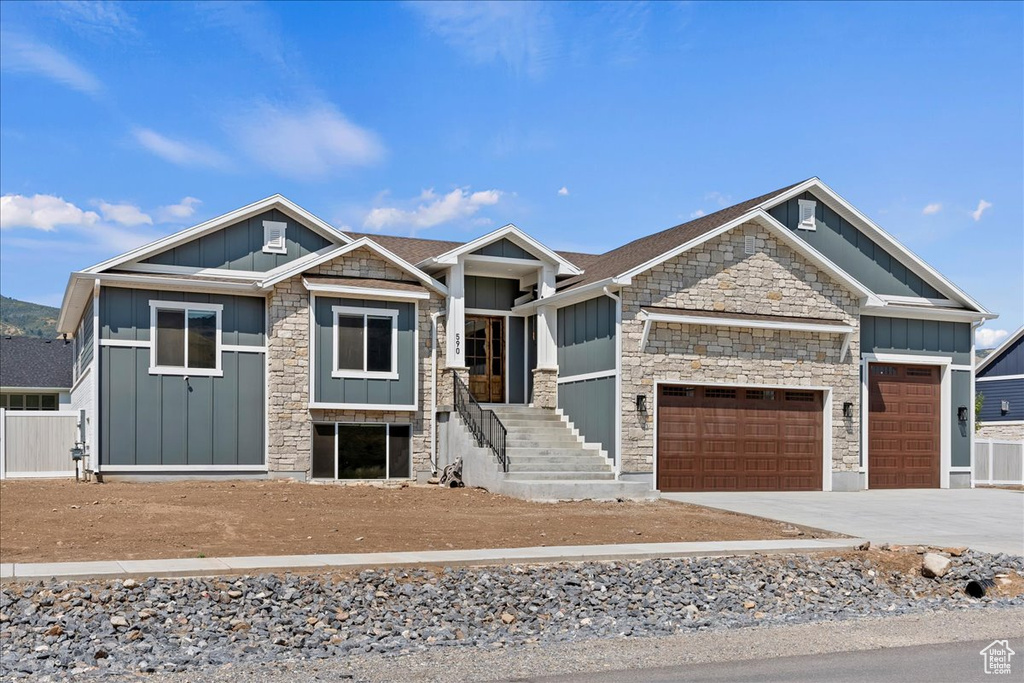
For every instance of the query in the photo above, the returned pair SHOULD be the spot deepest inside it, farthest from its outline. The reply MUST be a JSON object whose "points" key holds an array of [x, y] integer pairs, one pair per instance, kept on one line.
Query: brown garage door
{"points": [[903, 426], [739, 439]]}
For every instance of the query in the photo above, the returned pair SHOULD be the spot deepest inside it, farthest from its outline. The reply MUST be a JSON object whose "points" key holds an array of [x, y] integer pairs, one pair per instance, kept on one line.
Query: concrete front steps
{"points": [[548, 462]]}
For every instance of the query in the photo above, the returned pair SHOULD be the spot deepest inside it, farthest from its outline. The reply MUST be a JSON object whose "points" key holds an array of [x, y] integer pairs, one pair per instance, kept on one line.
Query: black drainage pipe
{"points": [[976, 588]]}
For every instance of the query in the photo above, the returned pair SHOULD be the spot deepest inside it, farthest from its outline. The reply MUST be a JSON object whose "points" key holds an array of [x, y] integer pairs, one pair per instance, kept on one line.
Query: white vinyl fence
{"points": [[998, 462], [37, 443]]}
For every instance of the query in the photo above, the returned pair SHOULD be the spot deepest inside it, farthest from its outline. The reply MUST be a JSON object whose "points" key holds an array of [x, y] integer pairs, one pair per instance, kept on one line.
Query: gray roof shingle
{"points": [[35, 362]]}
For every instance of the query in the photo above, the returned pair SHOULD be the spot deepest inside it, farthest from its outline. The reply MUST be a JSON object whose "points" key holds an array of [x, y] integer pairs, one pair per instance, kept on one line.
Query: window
{"points": [[886, 370], [712, 392], [760, 394], [800, 396], [362, 451], [365, 342], [677, 391], [186, 338], [807, 209], [274, 237], [29, 401]]}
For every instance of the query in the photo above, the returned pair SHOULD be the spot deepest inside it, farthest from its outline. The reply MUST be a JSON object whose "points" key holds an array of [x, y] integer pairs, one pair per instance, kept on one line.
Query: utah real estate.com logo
{"points": [[997, 657]]}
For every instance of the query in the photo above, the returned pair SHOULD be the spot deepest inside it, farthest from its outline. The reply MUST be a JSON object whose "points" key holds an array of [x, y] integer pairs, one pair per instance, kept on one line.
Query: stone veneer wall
{"points": [[289, 420], [545, 388], [719, 276], [996, 430]]}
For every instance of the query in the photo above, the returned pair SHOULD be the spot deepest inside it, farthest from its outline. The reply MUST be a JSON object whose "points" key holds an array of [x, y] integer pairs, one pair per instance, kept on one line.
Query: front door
{"points": [[485, 356]]}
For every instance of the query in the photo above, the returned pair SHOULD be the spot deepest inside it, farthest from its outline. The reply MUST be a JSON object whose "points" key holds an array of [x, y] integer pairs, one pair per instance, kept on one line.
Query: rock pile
{"points": [[151, 625]]}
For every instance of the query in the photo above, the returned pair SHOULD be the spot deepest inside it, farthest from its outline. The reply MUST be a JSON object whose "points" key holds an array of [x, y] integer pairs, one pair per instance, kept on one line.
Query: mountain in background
{"points": [[25, 319]]}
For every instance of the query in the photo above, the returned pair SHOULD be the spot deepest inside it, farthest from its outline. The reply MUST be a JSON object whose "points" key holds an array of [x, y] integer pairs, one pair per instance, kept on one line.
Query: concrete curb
{"points": [[215, 566]]}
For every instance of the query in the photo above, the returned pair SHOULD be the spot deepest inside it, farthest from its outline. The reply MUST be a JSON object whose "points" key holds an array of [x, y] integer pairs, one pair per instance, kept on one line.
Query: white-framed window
{"points": [[185, 338], [807, 209], [362, 450], [274, 237], [365, 343]]}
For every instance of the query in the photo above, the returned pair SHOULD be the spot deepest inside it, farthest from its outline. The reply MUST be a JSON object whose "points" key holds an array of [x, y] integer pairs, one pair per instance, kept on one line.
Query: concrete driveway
{"points": [[991, 520]]}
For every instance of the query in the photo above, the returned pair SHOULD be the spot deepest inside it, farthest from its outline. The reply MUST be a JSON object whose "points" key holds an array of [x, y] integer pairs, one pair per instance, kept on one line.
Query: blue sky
{"points": [[587, 125]]}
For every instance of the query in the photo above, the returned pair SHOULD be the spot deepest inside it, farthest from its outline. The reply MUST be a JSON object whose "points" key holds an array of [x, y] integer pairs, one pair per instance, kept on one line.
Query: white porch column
{"points": [[456, 323], [547, 320]]}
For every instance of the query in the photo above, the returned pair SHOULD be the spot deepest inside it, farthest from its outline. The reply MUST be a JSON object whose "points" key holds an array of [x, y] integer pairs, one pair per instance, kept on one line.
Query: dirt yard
{"points": [[59, 521]]}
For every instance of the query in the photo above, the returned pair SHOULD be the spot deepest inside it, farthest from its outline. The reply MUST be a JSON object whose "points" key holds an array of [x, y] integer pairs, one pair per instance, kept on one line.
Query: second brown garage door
{"points": [[903, 426], [739, 439]]}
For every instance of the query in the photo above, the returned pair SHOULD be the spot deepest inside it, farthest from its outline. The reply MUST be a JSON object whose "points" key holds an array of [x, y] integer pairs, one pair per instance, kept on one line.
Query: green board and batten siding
{"points": [[357, 390], [506, 249], [853, 251], [164, 420], [586, 344], [240, 246], [929, 338], [491, 293]]}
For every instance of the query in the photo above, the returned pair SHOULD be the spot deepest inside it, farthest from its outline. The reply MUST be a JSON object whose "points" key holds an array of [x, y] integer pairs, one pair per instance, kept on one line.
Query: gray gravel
{"points": [[53, 630]]}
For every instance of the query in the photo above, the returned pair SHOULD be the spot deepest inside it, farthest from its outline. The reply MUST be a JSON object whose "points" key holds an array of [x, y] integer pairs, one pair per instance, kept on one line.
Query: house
{"points": [[35, 373], [784, 343], [999, 377]]}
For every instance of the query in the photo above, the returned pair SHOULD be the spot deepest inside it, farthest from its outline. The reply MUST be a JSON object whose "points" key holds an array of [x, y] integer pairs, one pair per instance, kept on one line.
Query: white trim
{"points": [[572, 379], [365, 292], [826, 425], [493, 313], [266, 379], [156, 305], [804, 224], [277, 201], [35, 390], [313, 346], [129, 281], [1002, 423], [158, 269], [132, 343], [997, 351], [3, 443], [618, 380], [879, 235], [918, 301], [42, 413], [998, 378], [170, 469], [93, 445], [242, 348], [271, 245], [961, 368], [365, 313], [317, 405], [924, 313], [50, 474], [710, 321], [566, 297], [971, 430], [945, 364], [81, 375], [514, 235]]}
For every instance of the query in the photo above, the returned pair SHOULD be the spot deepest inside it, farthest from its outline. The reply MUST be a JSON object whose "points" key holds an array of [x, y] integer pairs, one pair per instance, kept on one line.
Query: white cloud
{"points": [[177, 151], [983, 206], [177, 212], [987, 338], [520, 34], [42, 212], [723, 200], [697, 214], [99, 16], [932, 209], [21, 54], [305, 144], [125, 214], [564, 192], [432, 209]]}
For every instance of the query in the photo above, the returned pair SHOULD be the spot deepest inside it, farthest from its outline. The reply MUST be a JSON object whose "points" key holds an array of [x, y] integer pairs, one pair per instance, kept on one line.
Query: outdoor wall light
{"points": [[847, 409], [961, 413], [1004, 407], [641, 403]]}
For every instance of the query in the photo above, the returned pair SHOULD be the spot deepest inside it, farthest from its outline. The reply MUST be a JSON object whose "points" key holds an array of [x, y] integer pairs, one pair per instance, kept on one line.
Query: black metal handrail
{"points": [[483, 423]]}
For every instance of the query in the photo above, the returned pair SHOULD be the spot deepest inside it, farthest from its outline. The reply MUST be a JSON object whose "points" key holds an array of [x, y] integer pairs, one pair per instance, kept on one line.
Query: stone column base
{"points": [[545, 388]]}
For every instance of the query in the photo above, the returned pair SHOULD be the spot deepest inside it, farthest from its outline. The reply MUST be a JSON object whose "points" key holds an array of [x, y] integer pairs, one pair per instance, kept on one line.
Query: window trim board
{"points": [[185, 371], [365, 313]]}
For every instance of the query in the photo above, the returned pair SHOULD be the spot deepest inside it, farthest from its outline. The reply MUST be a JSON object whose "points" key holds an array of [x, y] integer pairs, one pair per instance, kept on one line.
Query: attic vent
{"points": [[807, 207], [273, 237], [749, 244]]}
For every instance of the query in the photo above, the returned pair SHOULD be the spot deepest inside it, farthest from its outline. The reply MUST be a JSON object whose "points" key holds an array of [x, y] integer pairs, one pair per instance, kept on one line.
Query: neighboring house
{"points": [[786, 342], [1000, 378], [35, 373]]}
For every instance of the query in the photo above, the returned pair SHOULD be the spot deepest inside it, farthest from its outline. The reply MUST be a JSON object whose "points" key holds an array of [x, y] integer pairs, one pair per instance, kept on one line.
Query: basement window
{"points": [[185, 338], [365, 343], [362, 451], [274, 237], [807, 210]]}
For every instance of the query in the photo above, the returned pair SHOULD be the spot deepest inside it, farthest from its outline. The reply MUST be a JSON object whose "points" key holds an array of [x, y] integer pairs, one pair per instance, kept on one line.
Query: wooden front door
{"points": [[485, 356], [904, 426], [739, 439]]}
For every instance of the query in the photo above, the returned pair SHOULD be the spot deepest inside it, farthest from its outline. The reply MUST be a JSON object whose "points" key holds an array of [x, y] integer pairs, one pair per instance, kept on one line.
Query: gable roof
{"points": [[412, 249], [644, 249], [999, 350], [33, 362], [276, 201], [514, 235]]}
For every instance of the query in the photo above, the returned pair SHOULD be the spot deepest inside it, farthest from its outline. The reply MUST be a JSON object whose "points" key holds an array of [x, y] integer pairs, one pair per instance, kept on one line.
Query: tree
{"points": [[979, 400]]}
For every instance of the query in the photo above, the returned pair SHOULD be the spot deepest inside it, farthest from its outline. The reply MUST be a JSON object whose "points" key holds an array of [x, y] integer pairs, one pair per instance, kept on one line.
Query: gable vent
{"points": [[749, 244], [807, 208], [274, 237]]}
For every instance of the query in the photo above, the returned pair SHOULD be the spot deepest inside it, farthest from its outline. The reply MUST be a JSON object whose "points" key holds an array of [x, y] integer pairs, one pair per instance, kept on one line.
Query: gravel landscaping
{"points": [[166, 625]]}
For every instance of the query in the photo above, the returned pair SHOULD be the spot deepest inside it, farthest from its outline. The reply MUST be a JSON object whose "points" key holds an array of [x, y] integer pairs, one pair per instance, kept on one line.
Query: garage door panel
{"points": [[739, 439], [903, 426]]}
